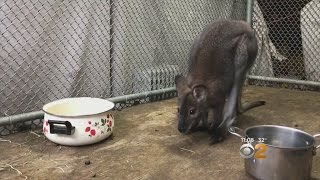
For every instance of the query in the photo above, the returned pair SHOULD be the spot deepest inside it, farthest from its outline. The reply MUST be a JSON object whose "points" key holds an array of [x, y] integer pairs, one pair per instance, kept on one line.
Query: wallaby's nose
{"points": [[182, 129]]}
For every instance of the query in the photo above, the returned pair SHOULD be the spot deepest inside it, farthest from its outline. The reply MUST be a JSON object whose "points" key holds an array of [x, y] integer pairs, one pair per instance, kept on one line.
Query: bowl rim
{"points": [[109, 106]]}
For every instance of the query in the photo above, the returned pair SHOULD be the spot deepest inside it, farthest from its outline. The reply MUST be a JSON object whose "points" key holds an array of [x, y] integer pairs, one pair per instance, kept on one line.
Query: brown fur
{"points": [[219, 60]]}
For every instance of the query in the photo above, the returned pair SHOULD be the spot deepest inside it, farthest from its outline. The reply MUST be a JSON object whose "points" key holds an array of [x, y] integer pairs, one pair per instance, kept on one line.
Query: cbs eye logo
{"points": [[247, 151]]}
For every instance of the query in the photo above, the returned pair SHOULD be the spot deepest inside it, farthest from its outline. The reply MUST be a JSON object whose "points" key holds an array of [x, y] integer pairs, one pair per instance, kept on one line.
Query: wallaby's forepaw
{"points": [[217, 135]]}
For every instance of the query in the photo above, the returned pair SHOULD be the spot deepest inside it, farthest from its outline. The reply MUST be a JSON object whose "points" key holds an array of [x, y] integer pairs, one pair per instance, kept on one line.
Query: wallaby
{"points": [[218, 63]]}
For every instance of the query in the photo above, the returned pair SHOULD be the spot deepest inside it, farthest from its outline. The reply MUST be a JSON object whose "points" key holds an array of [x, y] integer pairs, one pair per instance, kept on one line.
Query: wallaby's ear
{"points": [[200, 93], [177, 78], [180, 81]]}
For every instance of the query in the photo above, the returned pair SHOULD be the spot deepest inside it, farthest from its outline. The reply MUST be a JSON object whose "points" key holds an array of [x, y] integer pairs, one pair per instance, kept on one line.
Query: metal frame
{"points": [[284, 80]]}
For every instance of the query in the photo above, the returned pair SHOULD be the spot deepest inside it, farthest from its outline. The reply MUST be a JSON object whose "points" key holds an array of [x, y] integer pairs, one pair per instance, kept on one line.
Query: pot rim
{"points": [[288, 128], [108, 106]]}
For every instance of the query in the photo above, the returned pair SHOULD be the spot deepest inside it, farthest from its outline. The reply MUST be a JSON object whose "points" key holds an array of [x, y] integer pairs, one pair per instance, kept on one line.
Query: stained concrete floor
{"points": [[147, 145]]}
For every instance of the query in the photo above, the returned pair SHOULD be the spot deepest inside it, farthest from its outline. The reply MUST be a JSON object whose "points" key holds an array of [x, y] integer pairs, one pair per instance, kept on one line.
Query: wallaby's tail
{"points": [[243, 107], [249, 105]]}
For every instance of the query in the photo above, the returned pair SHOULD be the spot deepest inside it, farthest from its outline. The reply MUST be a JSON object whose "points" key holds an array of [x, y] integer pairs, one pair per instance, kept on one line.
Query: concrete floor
{"points": [[147, 145]]}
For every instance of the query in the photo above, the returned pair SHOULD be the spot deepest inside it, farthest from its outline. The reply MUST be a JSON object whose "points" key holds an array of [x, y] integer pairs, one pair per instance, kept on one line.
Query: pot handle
{"points": [[56, 128], [233, 130], [316, 136]]}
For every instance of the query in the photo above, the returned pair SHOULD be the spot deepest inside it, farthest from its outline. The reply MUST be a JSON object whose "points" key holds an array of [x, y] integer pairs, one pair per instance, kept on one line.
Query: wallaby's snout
{"points": [[182, 129], [182, 125]]}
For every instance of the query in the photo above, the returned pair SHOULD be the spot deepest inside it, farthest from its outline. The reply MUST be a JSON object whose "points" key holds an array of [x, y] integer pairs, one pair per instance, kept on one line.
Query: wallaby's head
{"points": [[192, 106]]}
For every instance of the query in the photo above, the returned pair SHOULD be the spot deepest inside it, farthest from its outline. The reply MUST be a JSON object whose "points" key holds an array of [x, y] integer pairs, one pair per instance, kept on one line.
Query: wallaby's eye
{"points": [[192, 111]]}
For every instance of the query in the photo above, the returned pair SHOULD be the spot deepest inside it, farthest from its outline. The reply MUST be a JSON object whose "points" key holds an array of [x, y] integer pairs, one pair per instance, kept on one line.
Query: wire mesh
{"points": [[57, 49], [288, 33]]}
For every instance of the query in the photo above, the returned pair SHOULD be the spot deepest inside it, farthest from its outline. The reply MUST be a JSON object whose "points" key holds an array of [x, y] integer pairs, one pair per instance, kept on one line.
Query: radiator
{"points": [[158, 77]]}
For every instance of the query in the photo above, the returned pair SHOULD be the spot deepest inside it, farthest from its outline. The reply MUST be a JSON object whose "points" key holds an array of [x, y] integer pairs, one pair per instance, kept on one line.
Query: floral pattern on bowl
{"points": [[105, 125]]}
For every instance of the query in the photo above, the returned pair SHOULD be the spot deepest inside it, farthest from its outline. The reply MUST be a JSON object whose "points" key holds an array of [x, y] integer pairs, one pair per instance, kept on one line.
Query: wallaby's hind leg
{"points": [[234, 98], [231, 106], [241, 66], [234, 105], [244, 59]]}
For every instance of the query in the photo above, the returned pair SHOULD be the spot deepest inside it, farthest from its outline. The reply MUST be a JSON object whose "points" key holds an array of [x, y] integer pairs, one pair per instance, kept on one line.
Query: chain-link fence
{"points": [[288, 31], [57, 49]]}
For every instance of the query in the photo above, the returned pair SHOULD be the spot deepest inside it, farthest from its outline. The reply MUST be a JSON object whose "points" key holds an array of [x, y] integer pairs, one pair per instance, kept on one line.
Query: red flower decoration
{"points": [[46, 122], [110, 123], [93, 132], [87, 129]]}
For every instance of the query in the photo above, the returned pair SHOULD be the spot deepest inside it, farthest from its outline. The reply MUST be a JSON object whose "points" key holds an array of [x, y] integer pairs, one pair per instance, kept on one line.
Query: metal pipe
{"points": [[129, 97], [249, 11], [284, 80], [19, 118], [7, 120]]}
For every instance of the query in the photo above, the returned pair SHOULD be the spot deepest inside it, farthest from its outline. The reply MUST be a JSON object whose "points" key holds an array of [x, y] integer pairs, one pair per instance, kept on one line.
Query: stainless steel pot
{"points": [[287, 153]]}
